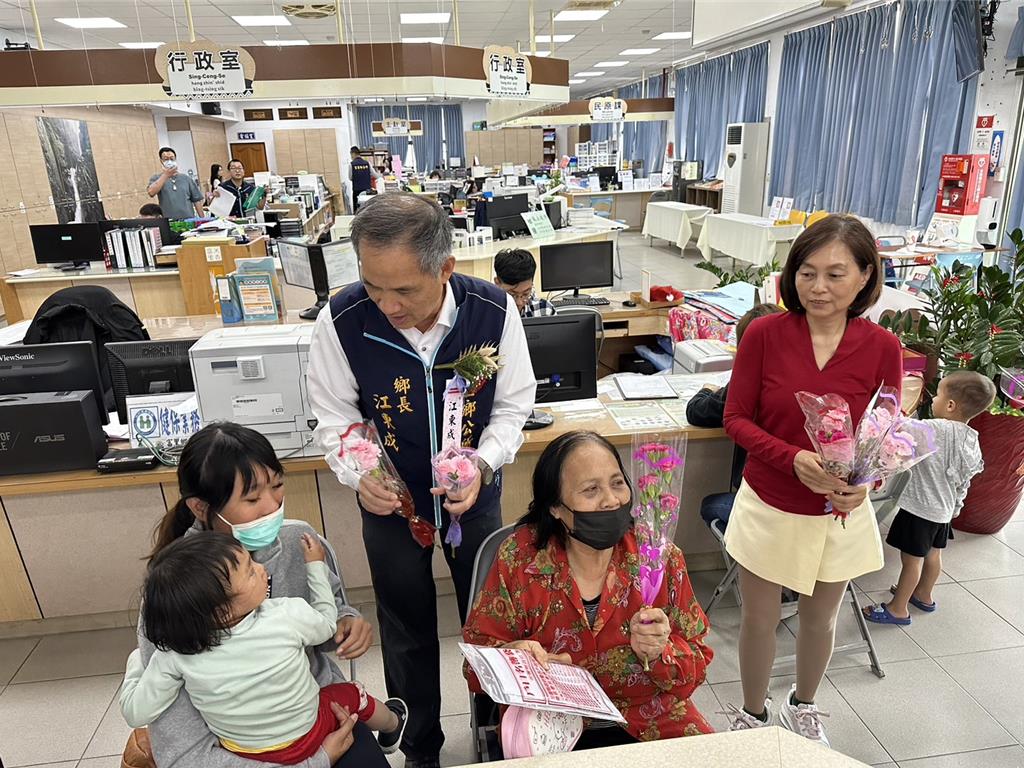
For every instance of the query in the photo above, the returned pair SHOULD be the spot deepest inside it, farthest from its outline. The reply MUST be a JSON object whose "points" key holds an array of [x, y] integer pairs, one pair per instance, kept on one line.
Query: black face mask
{"points": [[602, 529]]}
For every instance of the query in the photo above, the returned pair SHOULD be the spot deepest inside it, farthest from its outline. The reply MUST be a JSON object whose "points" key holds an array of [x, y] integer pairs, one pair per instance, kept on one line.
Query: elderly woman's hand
{"points": [[848, 498], [537, 651], [649, 630]]}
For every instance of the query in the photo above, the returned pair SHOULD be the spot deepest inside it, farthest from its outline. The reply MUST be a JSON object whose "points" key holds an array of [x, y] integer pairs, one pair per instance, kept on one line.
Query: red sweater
{"points": [[776, 360]]}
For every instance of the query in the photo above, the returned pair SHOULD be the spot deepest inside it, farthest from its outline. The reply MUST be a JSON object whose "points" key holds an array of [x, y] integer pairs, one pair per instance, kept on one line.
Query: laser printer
{"points": [[256, 376], [701, 356]]}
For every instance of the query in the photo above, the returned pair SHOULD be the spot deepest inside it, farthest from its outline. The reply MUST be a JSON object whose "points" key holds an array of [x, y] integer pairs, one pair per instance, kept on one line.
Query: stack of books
{"points": [[132, 247]]}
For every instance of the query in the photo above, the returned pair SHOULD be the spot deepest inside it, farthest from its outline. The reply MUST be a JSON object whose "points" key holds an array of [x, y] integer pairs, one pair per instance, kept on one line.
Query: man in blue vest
{"points": [[361, 174], [376, 354]]}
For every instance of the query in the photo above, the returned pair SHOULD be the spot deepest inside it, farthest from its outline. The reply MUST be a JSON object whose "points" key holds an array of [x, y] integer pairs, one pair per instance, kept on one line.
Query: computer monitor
{"points": [[505, 206], [69, 246], [606, 173], [564, 356], [318, 267], [62, 367], [148, 368], [577, 265], [167, 235]]}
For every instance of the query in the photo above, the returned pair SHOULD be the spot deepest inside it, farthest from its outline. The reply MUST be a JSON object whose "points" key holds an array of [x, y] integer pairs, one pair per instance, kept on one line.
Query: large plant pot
{"points": [[996, 493]]}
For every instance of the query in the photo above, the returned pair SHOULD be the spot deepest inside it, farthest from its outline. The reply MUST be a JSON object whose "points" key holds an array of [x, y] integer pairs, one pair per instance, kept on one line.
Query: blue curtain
{"points": [[1016, 47], [967, 46], [453, 132], [714, 93], [601, 132], [628, 150], [366, 115]]}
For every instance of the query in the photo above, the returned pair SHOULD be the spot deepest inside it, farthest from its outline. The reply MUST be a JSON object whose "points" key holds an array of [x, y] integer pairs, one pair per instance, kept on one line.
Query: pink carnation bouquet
{"points": [[657, 470], [455, 469], [829, 425], [906, 443], [362, 452]]}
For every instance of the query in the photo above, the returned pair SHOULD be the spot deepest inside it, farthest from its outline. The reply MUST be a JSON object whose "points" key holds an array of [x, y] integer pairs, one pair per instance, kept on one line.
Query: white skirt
{"points": [[795, 551]]}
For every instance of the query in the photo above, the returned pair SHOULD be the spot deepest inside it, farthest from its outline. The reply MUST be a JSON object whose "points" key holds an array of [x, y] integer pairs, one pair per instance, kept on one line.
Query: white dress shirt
{"points": [[334, 393]]}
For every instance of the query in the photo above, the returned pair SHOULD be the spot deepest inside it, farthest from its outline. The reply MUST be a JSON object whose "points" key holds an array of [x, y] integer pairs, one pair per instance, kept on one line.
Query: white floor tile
{"points": [[996, 680], [78, 654], [889, 573], [52, 721], [724, 640], [1004, 596], [13, 653], [845, 729], [1013, 535], [112, 734], [961, 624], [1004, 757], [972, 556], [899, 710], [110, 761]]}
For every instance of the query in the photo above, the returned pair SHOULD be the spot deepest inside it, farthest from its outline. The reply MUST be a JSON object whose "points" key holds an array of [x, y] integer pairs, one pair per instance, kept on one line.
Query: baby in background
{"points": [[242, 656], [934, 495]]}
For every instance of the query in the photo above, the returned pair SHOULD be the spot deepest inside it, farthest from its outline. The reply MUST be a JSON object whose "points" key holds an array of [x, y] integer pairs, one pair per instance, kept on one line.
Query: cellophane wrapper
{"points": [[829, 425], [455, 469], [907, 442]]}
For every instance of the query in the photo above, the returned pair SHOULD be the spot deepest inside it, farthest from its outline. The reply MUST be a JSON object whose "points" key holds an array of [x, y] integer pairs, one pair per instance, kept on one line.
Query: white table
{"points": [[747, 238], [770, 747], [673, 221]]}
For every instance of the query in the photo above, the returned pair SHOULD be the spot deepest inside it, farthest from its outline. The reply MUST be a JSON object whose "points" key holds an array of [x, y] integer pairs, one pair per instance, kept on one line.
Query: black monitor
{"points": [[148, 368], [577, 265], [319, 267], [507, 206], [606, 173], [167, 235], [69, 246], [564, 356], [62, 367]]}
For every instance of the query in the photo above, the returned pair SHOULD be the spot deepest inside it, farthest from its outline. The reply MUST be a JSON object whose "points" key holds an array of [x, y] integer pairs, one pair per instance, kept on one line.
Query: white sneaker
{"points": [[743, 720], [803, 719]]}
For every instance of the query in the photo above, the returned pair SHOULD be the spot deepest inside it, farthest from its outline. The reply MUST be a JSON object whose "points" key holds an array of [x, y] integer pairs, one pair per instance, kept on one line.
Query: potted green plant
{"points": [[978, 325]]}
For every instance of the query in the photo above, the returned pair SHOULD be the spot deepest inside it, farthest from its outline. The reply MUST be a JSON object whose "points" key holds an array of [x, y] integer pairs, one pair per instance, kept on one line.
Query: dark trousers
{"points": [[355, 199], [364, 752], [403, 583]]}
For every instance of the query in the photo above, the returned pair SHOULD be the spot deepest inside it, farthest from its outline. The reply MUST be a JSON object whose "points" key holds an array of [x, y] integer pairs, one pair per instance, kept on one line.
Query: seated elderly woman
{"points": [[564, 586]]}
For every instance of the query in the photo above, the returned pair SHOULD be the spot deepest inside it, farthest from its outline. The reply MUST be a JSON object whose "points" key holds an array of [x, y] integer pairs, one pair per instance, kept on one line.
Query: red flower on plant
{"points": [[963, 358], [994, 329], [982, 295], [951, 280]]}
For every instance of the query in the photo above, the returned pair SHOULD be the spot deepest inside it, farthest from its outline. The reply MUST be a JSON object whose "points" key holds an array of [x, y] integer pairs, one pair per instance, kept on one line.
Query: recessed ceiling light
{"points": [[576, 82], [437, 40], [558, 38], [416, 98], [589, 74], [286, 42], [140, 45], [638, 51], [611, 63], [96, 22], [425, 18], [673, 36], [579, 15], [541, 54], [262, 21], [372, 98]]}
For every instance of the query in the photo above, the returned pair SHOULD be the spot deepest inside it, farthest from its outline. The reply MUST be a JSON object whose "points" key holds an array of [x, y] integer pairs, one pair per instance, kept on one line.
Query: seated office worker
{"points": [[375, 355], [240, 188], [177, 192], [514, 269]]}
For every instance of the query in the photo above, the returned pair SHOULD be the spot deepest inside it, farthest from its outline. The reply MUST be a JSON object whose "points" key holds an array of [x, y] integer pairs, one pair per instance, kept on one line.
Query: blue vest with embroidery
{"points": [[405, 397]]}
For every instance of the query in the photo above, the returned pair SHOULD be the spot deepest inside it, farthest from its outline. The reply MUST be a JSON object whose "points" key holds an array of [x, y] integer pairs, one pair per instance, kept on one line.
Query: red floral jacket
{"points": [[531, 595]]}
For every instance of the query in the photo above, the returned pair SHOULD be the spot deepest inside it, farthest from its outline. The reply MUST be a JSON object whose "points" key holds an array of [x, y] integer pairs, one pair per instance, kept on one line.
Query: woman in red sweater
{"points": [[779, 531]]}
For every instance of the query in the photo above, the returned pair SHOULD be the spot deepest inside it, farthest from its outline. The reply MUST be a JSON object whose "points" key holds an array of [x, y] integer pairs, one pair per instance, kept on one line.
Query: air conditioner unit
{"points": [[744, 167]]}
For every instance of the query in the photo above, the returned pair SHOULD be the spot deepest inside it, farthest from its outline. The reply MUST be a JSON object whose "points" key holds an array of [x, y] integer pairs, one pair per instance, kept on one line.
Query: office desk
{"points": [[771, 747], [747, 238], [72, 543], [626, 206], [673, 221]]}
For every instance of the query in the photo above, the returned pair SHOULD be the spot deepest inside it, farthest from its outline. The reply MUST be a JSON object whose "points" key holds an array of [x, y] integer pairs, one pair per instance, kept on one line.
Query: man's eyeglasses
{"points": [[521, 295]]}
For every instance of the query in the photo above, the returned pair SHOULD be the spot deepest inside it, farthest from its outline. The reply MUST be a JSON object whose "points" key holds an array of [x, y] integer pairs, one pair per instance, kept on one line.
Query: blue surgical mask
{"points": [[260, 533]]}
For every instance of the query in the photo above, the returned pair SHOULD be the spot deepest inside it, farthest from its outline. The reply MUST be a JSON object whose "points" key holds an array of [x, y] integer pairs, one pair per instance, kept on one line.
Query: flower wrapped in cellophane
{"points": [[907, 442], [657, 470], [879, 417], [828, 423], [455, 469], [361, 451]]}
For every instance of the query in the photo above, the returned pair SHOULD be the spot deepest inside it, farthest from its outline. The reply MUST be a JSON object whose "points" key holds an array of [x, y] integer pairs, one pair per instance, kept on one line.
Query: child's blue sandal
{"points": [[879, 614], [921, 605]]}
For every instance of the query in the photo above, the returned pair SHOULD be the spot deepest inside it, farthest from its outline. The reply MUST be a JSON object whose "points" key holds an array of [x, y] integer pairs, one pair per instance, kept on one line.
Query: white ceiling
{"points": [[630, 25]]}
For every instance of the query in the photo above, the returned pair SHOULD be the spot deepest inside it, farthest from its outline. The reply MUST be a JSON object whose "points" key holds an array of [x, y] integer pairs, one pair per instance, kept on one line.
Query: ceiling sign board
{"points": [[508, 74], [606, 108], [205, 71], [258, 114], [327, 113], [396, 126], [292, 113]]}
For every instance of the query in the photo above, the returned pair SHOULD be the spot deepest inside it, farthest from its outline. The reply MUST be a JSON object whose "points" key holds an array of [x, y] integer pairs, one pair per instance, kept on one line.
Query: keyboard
{"points": [[591, 301]]}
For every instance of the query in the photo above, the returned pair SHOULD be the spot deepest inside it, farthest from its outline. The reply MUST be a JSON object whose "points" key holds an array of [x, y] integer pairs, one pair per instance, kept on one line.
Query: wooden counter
{"points": [[629, 207]]}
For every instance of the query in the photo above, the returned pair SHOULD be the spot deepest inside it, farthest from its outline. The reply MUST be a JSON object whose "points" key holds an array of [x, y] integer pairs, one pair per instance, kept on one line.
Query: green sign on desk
{"points": [[539, 224]]}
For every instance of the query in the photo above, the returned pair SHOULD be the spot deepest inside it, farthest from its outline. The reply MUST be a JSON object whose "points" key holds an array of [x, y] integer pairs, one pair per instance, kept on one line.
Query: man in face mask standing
{"points": [[178, 193]]}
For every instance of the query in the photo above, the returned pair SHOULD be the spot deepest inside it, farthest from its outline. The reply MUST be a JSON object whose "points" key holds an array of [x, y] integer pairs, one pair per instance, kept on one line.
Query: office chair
{"points": [[658, 196]]}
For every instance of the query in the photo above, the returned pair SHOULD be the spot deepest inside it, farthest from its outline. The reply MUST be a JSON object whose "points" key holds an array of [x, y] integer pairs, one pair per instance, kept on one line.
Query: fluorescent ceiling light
{"points": [[140, 45], [286, 42], [589, 74], [579, 15], [638, 51], [96, 22], [558, 38], [373, 98], [541, 54], [673, 36], [611, 63], [262, 21], [425, 18], [416, 98], [576, 82], [437, 40]]}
